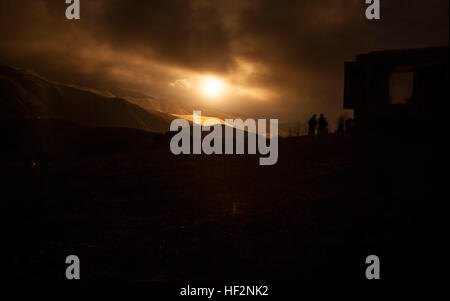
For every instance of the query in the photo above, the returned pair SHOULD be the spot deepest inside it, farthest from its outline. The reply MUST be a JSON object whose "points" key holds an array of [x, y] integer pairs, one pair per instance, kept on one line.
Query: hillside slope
{"points": [[24, 95]]}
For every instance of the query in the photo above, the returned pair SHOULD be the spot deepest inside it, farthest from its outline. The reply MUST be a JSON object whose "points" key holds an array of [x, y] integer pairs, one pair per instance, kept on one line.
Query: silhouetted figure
{"points": [[298, 132], [312, 125], [341, 126], [322, 125], [349, 125]]}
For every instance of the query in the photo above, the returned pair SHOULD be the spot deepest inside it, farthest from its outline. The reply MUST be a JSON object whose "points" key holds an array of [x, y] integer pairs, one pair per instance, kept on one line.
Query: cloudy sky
{"points": [[274, 58]]}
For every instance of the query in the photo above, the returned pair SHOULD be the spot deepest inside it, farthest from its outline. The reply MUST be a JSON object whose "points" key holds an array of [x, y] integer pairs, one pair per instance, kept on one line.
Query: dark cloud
{"points": [[296, 48], [184, 33]]}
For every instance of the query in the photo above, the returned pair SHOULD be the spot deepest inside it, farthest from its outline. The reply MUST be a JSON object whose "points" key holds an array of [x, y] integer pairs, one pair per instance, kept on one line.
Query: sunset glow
{"points": [[212, 87]]}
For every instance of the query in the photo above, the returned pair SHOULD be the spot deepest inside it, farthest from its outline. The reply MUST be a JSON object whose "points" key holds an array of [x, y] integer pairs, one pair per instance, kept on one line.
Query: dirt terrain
{"points": [[132, 210]]}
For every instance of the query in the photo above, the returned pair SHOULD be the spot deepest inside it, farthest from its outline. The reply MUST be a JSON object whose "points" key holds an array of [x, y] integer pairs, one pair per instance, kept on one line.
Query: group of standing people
{"points": [[320, 124]]}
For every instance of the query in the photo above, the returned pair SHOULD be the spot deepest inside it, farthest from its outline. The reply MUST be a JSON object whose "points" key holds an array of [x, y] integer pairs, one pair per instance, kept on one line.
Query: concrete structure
{"points": [[397, 90]]}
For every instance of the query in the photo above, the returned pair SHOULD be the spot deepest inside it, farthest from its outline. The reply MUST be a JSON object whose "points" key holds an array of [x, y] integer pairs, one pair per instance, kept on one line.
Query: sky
{"points": [[274, 59]]}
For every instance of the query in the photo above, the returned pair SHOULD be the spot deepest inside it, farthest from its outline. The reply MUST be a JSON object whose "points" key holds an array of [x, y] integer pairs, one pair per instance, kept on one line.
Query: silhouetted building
{"points": [[399, 90], [341, 126]]}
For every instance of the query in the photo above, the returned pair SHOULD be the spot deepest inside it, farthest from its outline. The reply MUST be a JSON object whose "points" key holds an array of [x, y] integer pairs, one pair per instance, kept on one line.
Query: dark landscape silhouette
{"points": [[117, 197], [91, 98]]}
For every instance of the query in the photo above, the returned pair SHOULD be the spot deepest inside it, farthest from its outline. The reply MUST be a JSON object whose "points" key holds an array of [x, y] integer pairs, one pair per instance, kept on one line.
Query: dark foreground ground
{"points": [[132, 210]]}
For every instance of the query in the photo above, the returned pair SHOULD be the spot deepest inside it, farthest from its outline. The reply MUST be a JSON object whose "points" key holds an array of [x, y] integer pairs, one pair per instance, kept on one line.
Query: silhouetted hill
{"points": [[48, 140], [24, 95]]}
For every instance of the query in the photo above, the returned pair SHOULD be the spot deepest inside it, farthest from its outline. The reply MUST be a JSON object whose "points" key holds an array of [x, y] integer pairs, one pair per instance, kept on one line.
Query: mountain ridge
{"points": [[26, 95]]}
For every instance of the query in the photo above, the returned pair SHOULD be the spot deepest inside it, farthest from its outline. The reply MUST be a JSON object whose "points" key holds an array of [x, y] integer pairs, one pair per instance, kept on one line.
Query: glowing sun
{"points": [[212, 87]]}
